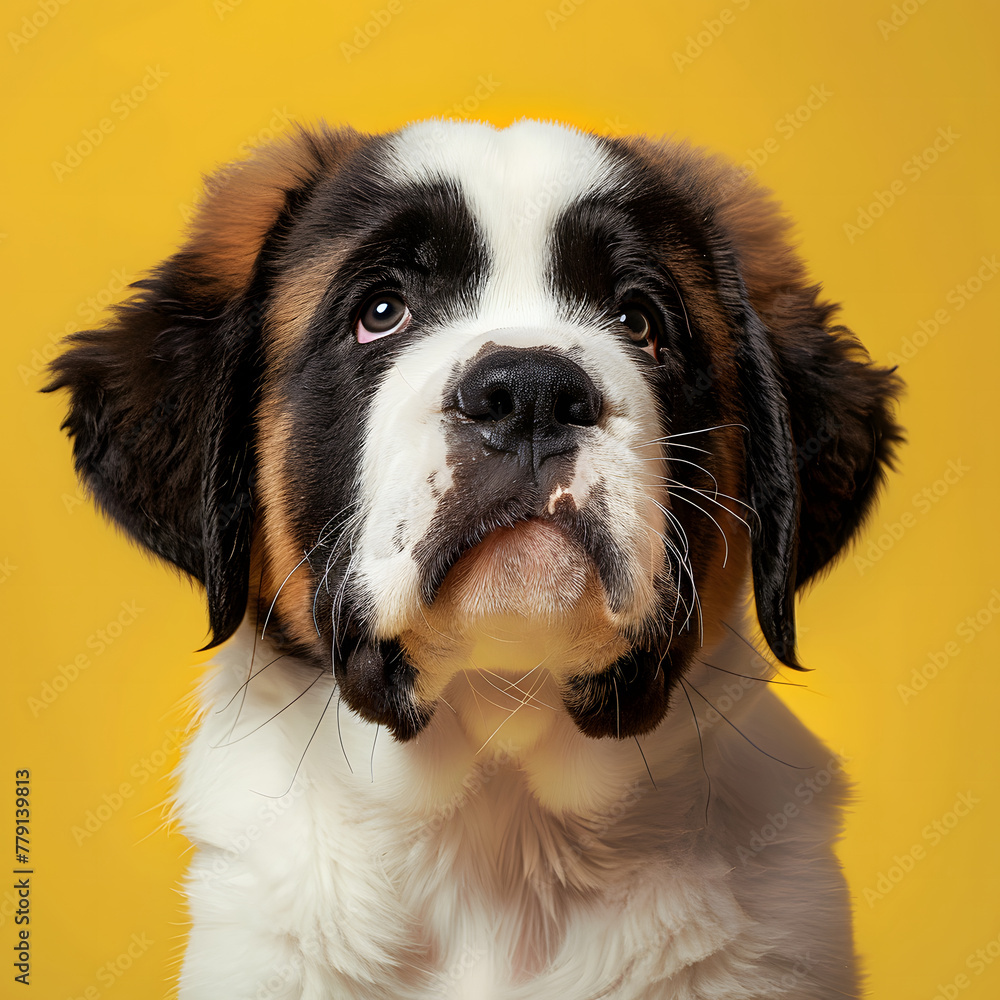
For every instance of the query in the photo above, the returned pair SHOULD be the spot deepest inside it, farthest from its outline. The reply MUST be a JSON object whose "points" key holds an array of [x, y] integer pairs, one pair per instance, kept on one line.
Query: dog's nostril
{"points": [[578, 408], [499, 404]]}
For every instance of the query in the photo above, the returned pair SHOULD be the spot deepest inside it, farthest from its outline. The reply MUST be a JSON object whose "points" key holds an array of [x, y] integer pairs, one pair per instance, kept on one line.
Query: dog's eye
{"points": [[635, 321], [381, 315]]}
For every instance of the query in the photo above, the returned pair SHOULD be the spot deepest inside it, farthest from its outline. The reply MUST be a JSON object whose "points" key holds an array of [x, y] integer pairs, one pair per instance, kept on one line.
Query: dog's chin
{"points": [[525, 601], [521, 611], [531, 573]]}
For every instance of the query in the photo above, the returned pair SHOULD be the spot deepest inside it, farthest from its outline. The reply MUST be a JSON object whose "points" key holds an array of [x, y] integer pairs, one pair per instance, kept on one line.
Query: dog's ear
{"points": [[820, 430], [163, 398]]}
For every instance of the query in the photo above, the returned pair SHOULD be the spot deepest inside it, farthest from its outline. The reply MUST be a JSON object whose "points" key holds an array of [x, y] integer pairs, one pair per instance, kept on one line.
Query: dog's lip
{"points": [[449, 557]]}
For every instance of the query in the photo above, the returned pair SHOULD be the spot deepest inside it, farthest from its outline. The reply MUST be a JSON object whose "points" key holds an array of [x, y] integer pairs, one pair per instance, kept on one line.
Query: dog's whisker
{"points": [[537, 702], [246, 683], [746, 642], [433, 628], [681, 533], [685, 564], [538, 666], [502, 724], [673, 444], [683, 461], [324, 584], [529, 696], [346, 540], [701, 746], [239, 739], [725, 539], [475, 698], [663, 656], [683, 557], [334, 555], [677, 601], [496, 704], [340, 736], [700, 430], [514, 685], [507, 640], [296, 567], [682, 604], [764, 655], [797, 767], [371, 760], [641, 754], [243, 687], [673, 485], [751, 677], [337, 605], [312, 736]]}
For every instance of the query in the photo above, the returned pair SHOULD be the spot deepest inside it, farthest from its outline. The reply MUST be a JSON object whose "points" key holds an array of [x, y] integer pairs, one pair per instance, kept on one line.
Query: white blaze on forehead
{"points": [[516, 182]]}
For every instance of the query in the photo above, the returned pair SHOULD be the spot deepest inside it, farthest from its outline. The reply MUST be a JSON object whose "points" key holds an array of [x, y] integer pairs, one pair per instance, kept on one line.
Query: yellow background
{"points": [[229, 73]]}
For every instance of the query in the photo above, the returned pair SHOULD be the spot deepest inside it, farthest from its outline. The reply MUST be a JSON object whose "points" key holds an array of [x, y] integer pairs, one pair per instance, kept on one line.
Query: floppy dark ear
{"points": [[841, 410], [772, 486], [162, 402], [163, 398], [819, 416]]}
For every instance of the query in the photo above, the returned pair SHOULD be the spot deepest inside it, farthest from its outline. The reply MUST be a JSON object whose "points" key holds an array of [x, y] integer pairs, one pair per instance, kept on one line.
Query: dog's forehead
{"points": [[523, 161], [517, 182]]}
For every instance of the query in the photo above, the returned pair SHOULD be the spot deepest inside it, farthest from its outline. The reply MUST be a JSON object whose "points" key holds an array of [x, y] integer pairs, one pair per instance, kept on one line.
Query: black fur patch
{"points": [[628, 699]]}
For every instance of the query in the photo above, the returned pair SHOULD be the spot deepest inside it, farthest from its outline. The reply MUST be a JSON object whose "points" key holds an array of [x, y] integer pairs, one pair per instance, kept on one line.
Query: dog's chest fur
{"points": [[432, 871]]}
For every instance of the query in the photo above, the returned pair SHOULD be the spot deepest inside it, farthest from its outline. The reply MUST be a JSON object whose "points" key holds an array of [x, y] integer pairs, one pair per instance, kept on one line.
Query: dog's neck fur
{"points": [[453, 866]]}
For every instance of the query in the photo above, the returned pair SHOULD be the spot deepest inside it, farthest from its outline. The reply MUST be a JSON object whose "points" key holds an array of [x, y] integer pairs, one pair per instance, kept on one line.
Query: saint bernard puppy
{"points": [[493, 449]]}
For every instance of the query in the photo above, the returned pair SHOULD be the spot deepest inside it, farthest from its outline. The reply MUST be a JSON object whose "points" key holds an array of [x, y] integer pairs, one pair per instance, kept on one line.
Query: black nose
{"points": [[530, 402]]}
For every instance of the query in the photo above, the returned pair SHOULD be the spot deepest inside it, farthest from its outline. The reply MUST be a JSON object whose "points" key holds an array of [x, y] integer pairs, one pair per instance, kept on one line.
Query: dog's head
{"points": [[418, 399]]}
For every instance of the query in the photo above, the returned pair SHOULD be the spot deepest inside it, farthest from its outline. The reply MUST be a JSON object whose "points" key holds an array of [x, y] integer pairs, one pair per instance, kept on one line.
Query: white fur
{"points": [[425, 870]]}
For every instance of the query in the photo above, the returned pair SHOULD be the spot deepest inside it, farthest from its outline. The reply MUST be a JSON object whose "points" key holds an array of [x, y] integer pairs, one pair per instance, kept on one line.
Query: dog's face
{"points": [[457, 398]]}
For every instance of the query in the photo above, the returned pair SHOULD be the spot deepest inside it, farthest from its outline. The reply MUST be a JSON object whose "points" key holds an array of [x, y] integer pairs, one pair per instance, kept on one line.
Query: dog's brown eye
{"points": [[636, 323], [381, 315]]}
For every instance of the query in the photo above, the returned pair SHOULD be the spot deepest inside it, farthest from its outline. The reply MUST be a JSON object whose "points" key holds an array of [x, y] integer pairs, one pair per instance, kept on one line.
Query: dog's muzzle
{"points": [[536, 550]]}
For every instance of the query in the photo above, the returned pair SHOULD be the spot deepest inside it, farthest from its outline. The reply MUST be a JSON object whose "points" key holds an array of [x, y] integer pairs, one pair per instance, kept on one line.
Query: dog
{"points": [[493, 449]]}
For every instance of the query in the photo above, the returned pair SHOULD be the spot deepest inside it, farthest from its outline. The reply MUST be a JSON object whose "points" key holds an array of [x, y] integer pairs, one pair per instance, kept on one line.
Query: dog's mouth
{"points": [[532, 557], [537, 585], [528, 598], [532, 568]]}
